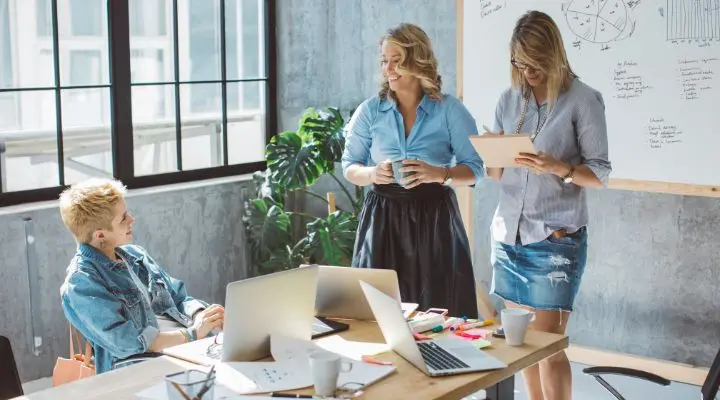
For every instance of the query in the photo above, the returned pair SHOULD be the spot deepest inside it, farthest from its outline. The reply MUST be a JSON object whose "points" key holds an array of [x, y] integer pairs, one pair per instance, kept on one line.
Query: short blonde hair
{"points": [[537, 41], [89, 205], [416, 59]]}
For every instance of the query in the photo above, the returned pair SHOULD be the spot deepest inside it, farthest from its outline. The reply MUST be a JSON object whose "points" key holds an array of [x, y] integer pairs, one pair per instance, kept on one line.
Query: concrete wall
{"points": [[196, 234], [651, 284]]}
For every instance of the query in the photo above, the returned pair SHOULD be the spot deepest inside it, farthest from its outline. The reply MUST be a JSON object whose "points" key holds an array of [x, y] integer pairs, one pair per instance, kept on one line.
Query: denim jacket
{"points": [[103, 303]]}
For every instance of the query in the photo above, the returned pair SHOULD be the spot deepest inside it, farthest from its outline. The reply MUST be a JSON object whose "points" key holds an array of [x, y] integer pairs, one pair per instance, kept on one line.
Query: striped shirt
{"points": [[532, 206]]}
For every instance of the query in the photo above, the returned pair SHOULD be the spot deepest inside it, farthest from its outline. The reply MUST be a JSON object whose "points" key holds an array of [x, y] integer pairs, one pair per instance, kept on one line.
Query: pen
{"points": [[372, 360], [291, 395], [487, 129]]}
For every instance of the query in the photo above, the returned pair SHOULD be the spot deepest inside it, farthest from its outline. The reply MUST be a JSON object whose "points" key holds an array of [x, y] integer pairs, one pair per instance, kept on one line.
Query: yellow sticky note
{"points": [[481, 343]]}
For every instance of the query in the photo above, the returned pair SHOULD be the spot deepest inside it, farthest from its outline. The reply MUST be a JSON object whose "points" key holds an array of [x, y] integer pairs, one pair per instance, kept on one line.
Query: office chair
{"points": [[708, 391], [10, 385]]}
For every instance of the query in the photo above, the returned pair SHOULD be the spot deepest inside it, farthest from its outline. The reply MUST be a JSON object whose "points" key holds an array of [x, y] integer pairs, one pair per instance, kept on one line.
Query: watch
{"points": [[570, 175]]}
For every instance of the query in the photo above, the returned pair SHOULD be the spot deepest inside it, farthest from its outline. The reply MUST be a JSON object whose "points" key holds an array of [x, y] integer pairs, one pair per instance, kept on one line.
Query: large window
{"points": [[148, 91]]}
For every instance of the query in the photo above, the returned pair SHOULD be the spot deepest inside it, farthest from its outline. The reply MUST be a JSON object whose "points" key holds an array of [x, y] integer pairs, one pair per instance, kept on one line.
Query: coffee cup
{"points": [[398, 175], [515, 323], [326, 368]]}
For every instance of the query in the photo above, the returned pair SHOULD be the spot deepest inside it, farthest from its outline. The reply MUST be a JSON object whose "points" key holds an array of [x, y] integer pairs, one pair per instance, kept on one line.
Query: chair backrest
{"points": [[710, 387], [10, 385]]}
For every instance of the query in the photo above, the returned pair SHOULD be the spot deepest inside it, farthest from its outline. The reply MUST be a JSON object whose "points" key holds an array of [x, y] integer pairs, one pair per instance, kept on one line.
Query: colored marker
{"points": [[440, 328], [480, 324]]}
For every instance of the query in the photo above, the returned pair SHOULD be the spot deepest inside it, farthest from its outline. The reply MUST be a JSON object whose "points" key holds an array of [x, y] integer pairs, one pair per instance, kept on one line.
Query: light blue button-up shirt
{"points": [[534, 206], [440, 135]]}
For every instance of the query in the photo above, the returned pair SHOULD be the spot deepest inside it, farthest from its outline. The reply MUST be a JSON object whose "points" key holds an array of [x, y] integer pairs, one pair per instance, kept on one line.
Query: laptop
{"points": [[339, 293], [437, 357], [255, 308]]}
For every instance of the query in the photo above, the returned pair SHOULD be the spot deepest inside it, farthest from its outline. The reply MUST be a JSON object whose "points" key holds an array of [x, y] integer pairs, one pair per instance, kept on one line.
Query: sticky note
{"points": [[477, 331], [481, 343]]}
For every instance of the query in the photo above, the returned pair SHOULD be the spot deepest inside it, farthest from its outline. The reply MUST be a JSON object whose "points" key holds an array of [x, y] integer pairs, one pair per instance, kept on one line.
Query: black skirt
{"points": [[420, 234]]}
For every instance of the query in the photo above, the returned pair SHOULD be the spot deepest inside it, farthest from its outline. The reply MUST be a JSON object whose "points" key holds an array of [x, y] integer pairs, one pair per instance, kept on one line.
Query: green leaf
{"points": [[330, 241], [326, 129], [282, 259], [267, 188], [292, 162], [268, 228]]}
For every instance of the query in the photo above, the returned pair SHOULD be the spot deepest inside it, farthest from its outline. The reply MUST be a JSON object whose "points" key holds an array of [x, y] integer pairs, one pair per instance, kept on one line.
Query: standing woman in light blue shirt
{"points": [[412, 224], [539, 227]]}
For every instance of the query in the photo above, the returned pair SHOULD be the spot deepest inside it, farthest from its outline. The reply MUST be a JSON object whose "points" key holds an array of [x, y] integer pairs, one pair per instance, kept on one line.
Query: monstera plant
{"points": [[295, 161]]}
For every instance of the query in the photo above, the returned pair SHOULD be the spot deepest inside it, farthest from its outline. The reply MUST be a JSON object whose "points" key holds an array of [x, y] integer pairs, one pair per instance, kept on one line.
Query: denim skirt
{"points": [[545, 275]]}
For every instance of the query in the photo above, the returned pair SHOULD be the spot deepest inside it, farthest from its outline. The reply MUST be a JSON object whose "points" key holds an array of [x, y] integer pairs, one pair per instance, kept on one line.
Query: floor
{"points": [[584, 388]]}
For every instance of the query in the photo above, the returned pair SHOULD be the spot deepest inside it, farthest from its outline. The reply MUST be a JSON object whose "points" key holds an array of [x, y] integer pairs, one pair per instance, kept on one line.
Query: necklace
{"points": [[541, 125]]}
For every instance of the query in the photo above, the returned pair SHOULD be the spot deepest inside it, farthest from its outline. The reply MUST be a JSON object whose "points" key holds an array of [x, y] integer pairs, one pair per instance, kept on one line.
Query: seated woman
{"points": [[114, 293]]}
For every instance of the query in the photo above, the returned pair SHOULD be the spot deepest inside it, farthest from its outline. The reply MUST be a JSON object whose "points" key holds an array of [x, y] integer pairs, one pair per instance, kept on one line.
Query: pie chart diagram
{"points": [[597, 21]]}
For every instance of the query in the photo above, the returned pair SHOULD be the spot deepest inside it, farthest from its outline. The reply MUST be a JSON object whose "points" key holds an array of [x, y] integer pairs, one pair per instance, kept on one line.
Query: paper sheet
{"points": [[284, 348], [263, 377]]}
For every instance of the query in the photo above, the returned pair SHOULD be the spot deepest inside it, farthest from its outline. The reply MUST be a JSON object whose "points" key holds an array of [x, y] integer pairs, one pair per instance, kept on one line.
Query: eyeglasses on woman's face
{"points": [[521, 66]]}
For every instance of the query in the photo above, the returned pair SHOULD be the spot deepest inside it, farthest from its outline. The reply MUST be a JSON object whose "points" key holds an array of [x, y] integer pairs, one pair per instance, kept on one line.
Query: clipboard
{"points": [[499, 151]]}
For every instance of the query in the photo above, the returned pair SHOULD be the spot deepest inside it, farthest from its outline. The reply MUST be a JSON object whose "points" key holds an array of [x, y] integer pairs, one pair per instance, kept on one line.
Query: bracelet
{"points": [[186, 335], [447, 175], [192, 333]]}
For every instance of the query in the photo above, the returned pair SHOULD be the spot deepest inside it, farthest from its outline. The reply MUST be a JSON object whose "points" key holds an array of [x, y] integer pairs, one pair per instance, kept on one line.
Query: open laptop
{"points": [[436, 357], [255, 308], [339, 293]]}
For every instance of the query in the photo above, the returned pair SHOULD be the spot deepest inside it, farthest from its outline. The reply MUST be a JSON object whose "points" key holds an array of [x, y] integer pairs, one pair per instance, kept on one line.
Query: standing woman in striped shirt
{"points": [[539, 228]]}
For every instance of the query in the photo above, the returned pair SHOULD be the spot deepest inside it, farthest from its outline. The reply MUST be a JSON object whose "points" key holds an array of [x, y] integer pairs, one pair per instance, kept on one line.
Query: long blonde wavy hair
{"points": [[416, 59], [537, 41]]}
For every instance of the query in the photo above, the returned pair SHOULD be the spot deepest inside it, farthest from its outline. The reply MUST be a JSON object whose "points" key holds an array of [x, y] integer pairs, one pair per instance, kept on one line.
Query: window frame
{"points": [[121, 122]]}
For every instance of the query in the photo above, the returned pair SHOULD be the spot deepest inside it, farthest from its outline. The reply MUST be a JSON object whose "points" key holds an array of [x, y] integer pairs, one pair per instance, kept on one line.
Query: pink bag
{"points": [[76, 367]]}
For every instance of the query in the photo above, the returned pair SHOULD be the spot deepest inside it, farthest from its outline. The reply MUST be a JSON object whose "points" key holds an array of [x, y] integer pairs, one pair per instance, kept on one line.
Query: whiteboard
{"points": [[656, 63]]}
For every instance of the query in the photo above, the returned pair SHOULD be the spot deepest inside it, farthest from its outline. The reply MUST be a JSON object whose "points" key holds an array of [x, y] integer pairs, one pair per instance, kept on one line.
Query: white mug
{"points": [[515, 323], [326, 368]]}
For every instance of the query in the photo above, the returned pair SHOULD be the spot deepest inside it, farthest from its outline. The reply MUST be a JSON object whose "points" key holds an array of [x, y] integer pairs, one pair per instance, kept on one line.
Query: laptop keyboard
{"points": [[438, 358]]}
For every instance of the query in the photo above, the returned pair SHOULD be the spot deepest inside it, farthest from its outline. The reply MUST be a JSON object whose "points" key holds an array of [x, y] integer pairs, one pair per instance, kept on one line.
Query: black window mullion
{"points": [[58, 94], [223, 78], [176, 55], [120, 89], [270, 71]]}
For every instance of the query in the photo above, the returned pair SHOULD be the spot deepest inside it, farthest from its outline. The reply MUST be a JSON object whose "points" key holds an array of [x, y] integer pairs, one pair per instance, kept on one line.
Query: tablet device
{"points": [[500, 151], [323, 327]]}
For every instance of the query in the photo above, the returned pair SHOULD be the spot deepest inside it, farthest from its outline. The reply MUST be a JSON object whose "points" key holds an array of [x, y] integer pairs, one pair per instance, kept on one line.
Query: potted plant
{"points": [[295, 161]]}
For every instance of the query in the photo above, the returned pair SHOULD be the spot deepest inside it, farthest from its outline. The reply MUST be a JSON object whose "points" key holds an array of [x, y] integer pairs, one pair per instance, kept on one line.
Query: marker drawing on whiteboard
{"points": [[696, 76], [696, 21], [627, 80], [662, 133], [600, 21], [489, 7]]}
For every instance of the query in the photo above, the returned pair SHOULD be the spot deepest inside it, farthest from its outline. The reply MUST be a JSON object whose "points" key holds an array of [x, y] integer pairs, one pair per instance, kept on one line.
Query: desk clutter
{"points": [[302, 357], [290, 370]]}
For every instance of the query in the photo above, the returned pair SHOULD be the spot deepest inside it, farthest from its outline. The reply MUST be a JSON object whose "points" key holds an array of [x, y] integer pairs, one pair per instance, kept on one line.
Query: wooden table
{"points": [[406, 383]]}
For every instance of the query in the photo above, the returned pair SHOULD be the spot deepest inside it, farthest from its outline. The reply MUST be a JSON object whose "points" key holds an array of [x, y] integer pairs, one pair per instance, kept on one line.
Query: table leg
{"points": [[503, 390]]}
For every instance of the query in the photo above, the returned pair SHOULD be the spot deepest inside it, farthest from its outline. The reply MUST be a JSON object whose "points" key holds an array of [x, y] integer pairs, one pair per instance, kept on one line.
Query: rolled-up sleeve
{"points": [[592, 137], [97, 314], [462, 125], [358, 137]]}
